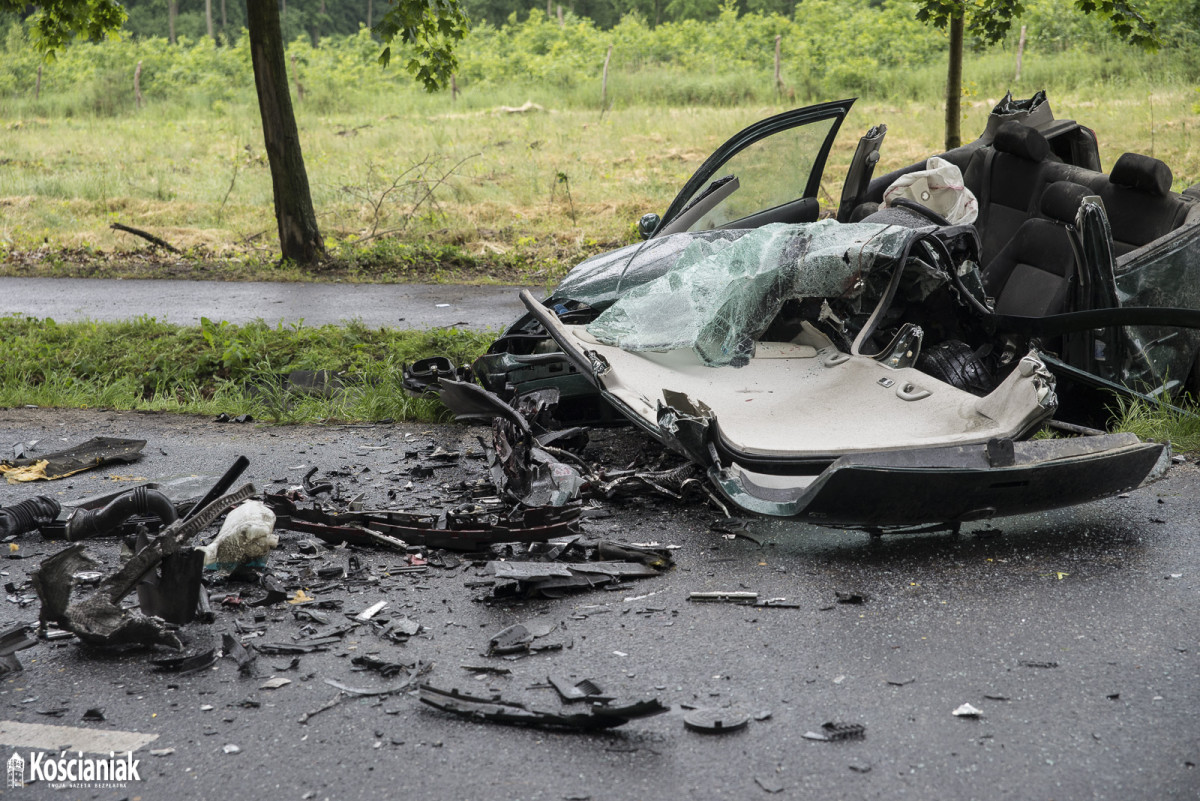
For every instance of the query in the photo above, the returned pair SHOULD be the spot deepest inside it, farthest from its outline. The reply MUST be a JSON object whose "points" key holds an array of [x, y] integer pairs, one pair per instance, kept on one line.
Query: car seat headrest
{"points": [[1021, 140], [1144, 173], [1061, 199]]}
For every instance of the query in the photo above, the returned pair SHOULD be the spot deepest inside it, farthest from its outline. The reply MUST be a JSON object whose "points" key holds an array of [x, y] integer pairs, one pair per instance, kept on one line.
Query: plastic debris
{"points": [[99, 619], [12, 640], [497, 710], [724, 597], [236, 651], [834, 732], [370, 611], [967, 711], [380, 666], [583, 690], [60, 464], [715, 721], [769, 784], [186, 664], [27, 516]]}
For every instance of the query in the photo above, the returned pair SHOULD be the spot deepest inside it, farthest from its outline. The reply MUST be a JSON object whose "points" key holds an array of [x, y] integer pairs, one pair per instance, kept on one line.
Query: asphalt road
{"points": [[185, 302], [1075, 633]]}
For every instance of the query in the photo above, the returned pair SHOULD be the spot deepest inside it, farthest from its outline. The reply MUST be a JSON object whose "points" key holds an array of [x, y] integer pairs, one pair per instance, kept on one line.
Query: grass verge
{"points": [[1161, 423], [147, 365], [215, 367]]}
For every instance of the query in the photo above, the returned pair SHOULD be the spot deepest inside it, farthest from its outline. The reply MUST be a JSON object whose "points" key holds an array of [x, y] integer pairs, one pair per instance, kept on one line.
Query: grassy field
{"points": [[426, 189]]}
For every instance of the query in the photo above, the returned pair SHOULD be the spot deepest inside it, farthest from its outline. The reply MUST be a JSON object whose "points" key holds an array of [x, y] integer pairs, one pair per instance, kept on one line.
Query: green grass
{"points": [[1160, 423], [144, 364], [491, 204]]}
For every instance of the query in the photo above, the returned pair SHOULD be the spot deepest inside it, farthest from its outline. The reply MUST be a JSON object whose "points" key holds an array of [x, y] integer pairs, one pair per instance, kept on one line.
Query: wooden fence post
{"points": [[137, 84], [778, 72], [296, 78], [1020, 52], [604, 84], [37, 89]]}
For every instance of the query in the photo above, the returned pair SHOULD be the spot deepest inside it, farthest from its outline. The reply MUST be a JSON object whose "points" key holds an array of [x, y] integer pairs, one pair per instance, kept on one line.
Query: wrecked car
{"points": [[884, 365]]}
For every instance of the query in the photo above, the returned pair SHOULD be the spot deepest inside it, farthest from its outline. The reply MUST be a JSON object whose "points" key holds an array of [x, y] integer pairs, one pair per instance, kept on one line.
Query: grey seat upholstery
{"points": [[1139, 202], [1006, 182], [1032, 274]]}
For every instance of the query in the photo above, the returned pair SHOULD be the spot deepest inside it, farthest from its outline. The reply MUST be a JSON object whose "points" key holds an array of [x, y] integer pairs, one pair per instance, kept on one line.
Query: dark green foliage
{"points": [[990, 20]]}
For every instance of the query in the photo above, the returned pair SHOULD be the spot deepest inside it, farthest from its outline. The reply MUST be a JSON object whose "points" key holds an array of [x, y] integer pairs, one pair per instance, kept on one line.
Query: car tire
{"points": [[955, 363]]}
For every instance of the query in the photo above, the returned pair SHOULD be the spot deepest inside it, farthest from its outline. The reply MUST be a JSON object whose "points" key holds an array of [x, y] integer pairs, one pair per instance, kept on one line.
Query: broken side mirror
{"points": [[648, 225]]}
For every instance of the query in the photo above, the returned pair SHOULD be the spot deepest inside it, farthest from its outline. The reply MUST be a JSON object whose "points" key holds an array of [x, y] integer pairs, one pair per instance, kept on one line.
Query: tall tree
{"points": [[299, 237], [430, 29], [990, 21]]}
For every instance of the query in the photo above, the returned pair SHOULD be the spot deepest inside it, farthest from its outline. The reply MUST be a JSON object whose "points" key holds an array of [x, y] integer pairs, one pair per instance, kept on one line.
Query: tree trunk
{"points": [[370, 12], [1020, 53], [954, 84], [208, 18], [224, 20], [299, 238], [172, 11]]}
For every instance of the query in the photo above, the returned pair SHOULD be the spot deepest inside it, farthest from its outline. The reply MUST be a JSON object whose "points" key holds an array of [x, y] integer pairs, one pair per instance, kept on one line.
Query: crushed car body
{"points": [[888, 366]]}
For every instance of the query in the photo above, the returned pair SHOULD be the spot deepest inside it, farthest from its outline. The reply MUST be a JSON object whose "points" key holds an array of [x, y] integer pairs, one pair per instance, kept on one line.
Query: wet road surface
{"points": [[1075, 633], [185, 302]]}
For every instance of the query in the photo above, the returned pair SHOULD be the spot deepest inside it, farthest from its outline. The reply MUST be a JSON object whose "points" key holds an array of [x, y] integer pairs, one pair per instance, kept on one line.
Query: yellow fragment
{"points": [[1061, 575], [13, 547], [300, 597], [33, 472]]}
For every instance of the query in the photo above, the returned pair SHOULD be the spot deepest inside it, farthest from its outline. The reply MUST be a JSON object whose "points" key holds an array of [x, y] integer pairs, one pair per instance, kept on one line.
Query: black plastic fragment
{"points": [[498, 710], [583, 690], [28, 515], [380, 666], [93, 453], [12, 640], [172, 591], [512, 640], [1000, 452], [221, 487], [186, 664], [85, 524], [834, 732], [314, 490], [715, 721], [238, 652]]}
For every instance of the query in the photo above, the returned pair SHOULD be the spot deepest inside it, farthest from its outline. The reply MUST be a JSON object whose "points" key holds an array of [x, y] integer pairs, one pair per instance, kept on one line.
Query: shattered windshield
{"points": [[720, 295]]}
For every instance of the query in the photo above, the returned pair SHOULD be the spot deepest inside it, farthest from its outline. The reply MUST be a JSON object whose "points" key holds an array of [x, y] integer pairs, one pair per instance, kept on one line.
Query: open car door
{"points": [[767, 173]]}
